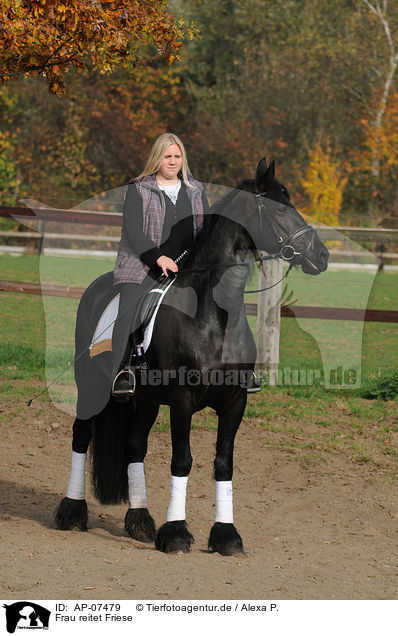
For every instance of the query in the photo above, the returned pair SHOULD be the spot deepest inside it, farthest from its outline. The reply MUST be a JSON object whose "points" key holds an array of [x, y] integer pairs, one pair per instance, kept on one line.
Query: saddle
{"points": [[147, 309]]}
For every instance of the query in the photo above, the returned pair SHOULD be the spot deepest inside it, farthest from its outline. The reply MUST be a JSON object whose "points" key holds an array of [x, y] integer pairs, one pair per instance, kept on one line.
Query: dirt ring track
{"points": [[328, 532]]}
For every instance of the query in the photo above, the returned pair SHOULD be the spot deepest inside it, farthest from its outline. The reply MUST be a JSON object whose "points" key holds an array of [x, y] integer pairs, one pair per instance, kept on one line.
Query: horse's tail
{"points": [[109, 452]]}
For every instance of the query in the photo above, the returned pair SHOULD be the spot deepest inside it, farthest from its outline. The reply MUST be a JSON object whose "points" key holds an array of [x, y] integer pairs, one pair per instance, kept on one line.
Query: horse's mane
{"points": [[204, 249], [248, 185]]}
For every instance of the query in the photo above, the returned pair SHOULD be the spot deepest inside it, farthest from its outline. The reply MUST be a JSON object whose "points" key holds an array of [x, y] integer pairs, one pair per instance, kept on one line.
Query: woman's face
{"points": [[171, 163]]}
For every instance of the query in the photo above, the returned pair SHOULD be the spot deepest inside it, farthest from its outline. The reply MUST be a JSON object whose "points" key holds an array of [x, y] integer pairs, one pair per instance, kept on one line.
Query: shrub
{"points": [[381, 388]]}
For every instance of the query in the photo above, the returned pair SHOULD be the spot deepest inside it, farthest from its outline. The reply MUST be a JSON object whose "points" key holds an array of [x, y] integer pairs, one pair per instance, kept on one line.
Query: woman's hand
{"points": [[166, 263]]}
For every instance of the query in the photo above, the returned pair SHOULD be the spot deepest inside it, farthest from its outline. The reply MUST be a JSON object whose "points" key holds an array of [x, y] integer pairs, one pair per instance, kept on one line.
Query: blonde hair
{"points": [[158, 152]]}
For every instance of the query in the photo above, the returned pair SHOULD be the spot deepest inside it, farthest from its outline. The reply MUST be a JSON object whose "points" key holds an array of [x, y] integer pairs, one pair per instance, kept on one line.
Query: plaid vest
{"points": [[129, 268]]}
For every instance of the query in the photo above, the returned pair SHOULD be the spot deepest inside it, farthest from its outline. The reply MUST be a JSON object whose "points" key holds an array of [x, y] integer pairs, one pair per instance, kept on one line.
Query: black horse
{"points": [[199, 349]]}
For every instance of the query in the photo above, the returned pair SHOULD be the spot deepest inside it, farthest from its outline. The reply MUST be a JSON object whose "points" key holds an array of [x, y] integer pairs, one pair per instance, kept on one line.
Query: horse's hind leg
{"points": [[224, 538], [72, 510], [138, 522], [173, 536]]}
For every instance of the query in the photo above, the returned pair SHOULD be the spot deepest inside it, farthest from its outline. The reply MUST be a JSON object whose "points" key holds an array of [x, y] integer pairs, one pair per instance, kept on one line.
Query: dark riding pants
{"points": [[128, 319]]}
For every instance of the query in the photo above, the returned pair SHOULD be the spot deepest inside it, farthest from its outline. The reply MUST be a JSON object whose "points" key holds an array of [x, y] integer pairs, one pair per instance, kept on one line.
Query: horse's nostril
{"points": [[324, 255]]}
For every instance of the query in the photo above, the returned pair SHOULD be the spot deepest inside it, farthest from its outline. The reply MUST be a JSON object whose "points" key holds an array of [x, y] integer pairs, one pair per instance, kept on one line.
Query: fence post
{"points": [[269, 320], [40, 238]]}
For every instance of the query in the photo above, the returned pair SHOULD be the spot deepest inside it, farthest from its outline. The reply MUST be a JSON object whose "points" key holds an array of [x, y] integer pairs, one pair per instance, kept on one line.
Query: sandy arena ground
{"points": [[324, 532]]}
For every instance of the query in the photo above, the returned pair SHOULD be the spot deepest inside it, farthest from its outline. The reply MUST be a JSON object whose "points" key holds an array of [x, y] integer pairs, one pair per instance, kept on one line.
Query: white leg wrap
{"points": [[224, 505], [137, 489], [178, 491], [77, 480]]}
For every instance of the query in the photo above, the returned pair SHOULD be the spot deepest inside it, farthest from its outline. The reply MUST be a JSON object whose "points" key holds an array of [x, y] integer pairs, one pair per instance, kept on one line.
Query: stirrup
{"points": [[128, 382], [254, 384]]}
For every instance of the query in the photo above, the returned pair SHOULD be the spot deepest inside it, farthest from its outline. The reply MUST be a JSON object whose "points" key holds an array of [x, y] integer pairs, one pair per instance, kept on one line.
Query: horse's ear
{"points": [[261, 169], [264, 174], [271, 167]]}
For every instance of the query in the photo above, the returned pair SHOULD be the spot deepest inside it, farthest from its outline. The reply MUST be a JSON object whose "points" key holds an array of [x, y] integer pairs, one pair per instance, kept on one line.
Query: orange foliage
{"points": [[324, 185], [381, 144], [46, 37]]}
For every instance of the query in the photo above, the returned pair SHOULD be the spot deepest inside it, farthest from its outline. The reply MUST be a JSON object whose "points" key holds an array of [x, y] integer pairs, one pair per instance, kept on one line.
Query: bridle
{"points": [[287, 251]]}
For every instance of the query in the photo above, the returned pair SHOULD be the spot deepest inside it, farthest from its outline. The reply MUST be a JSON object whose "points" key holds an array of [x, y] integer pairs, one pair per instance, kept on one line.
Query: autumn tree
{"points": [[387, 64], [324, 185], [266, 77], [276, 78], [95, 138], [372, 187], [45, 38]]}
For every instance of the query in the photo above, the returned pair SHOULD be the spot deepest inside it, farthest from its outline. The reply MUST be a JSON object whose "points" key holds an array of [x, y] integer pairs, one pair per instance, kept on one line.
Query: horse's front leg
{"points": [[72, 510], [138, 522], [224, 538], [173, 536]]}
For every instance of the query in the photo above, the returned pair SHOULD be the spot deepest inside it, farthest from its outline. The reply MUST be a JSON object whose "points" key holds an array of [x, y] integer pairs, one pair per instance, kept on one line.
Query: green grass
{"points": [[340, 288], [35, 330], [58, 270]]}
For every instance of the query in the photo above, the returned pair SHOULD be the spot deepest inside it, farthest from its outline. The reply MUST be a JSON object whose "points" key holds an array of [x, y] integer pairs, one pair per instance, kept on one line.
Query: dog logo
{"points": [[26, 615]]}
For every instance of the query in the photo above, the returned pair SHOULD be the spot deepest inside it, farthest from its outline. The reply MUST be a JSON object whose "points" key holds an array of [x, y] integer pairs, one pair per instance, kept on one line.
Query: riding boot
{"points": [[123, 386], [133, 361]]}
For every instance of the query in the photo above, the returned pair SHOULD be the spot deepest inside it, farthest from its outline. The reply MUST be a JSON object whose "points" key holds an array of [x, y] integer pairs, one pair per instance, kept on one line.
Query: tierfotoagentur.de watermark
{"points": [[183, 376]]}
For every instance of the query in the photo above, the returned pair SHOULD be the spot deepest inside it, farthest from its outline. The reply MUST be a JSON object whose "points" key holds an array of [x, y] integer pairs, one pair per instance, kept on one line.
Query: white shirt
{"points": [[171, 190]]}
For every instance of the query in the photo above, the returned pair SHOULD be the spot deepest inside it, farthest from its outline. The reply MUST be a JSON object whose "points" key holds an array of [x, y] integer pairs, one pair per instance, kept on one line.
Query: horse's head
{"points": [[280, 228]]}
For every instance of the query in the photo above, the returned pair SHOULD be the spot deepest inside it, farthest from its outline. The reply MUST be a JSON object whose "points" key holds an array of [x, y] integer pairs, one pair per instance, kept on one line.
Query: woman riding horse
{"points": [[163, 213], [187, 344]]}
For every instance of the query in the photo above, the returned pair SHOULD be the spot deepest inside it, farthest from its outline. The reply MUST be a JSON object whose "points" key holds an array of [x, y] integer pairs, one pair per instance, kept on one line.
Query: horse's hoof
{"points": [[174, 536], [71, 513], [140, 525], [225, 539]]}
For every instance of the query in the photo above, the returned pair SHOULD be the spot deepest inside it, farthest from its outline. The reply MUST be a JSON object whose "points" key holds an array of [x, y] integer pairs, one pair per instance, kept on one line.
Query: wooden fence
{"points": [[359, 234], [268, 310], [310, 311]]}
